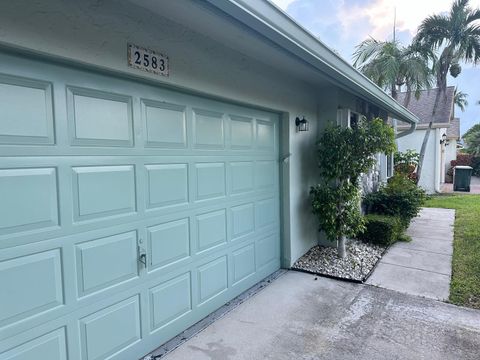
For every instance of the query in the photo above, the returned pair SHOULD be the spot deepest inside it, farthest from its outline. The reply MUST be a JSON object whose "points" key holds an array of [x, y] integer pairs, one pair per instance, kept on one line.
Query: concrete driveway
{"points": [[298, 317]]}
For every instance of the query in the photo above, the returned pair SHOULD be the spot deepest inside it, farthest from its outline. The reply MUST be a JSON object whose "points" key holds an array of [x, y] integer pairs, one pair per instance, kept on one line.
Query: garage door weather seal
{"points": [[193, 330]]}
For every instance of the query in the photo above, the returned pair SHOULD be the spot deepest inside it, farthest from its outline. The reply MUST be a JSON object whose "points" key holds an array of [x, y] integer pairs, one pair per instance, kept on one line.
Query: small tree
{"points": [[344, 154]]}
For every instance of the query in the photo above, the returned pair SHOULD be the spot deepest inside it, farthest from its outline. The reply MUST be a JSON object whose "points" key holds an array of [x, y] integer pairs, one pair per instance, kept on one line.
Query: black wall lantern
{"points": [[444, 140], [302, 125]]}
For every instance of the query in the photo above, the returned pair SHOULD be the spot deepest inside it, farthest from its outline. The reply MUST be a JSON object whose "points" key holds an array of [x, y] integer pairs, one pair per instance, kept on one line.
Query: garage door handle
{"points": [[142, 257]]}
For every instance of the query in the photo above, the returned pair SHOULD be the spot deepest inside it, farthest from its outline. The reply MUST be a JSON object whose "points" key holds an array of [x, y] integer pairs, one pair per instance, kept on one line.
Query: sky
{"points": [[343, 24]]}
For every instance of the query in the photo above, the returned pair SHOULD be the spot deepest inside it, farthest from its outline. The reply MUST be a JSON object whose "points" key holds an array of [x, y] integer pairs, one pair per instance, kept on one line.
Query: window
{"points": [[347, 118], [389, 165], [353, 120]]}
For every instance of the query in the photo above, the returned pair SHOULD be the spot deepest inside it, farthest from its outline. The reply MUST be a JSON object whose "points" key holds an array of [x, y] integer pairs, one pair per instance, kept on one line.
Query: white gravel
{"points": [[361, 258]]}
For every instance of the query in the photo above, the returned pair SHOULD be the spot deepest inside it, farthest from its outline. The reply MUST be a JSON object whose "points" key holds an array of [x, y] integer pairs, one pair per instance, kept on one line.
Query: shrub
{"points": [[463, 160], [400, 197], [476, 165], [382, 229], [466, 160], [343, 155], [406, 164]]}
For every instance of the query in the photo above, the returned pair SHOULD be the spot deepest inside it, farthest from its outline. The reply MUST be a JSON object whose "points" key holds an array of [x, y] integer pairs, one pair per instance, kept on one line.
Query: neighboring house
{"points": [[433, 171], [133, 203], [453, 139]]}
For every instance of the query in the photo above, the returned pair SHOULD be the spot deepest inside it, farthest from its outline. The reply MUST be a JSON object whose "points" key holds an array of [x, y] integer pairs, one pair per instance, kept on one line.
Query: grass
{"points": [[465, 285]]}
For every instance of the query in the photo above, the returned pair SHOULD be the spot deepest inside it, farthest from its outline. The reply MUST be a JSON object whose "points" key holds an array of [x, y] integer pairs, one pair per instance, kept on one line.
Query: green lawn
{"points": [[465, 286]]}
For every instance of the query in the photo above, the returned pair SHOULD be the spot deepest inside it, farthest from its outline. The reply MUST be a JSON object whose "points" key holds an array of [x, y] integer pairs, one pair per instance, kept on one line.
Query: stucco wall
{"points": [[429, 181], [450, 153]]}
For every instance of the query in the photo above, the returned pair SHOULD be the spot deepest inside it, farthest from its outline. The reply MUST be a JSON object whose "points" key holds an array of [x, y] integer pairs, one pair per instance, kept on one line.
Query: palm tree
{"points": [[458, 34], [460, 99], [393, 66]]}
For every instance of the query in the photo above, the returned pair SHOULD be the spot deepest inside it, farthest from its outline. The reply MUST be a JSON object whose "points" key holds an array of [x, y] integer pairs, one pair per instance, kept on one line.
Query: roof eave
{"points": [[424, 126], [273, 24]]}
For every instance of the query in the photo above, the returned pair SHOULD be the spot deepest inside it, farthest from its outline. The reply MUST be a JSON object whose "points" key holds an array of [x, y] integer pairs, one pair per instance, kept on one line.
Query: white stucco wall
{"points": [[450, 153], [430, 178]]}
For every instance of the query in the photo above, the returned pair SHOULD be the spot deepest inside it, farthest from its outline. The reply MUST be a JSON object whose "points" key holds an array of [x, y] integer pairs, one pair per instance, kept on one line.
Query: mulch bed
{"points": [[356, 266]]}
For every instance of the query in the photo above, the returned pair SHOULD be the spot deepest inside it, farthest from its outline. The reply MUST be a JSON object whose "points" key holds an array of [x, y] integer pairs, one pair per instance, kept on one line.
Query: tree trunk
{"points": [[408, 97], [422, 152], [341, 250]]}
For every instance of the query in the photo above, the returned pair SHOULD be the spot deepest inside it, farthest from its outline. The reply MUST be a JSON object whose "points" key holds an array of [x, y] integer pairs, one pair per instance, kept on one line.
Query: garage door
{"points": [[128, 212]]}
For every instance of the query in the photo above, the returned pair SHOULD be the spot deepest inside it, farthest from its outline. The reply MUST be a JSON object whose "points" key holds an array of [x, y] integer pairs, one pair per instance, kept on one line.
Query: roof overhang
{"points": [[276, 26], [424, 126]]}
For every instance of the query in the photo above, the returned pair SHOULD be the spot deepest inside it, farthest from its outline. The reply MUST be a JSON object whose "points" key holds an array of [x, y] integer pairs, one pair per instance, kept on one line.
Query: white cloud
{"points": [[410, 14], [282, 4]]}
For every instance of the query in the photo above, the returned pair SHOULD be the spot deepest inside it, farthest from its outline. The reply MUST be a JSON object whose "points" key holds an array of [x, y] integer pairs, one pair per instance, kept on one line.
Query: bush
{"points": [[476, 165], [400, 197], [466, 160], [463, 160], [406, 164], [382, 229]]}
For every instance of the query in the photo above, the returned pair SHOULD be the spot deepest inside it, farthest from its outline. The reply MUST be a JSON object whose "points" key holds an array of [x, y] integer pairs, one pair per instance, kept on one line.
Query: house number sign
{"points": [[147, 60]]}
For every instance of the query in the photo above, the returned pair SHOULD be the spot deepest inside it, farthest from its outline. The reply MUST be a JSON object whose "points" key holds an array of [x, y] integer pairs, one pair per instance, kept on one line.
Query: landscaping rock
{"points": [[360, 260]]}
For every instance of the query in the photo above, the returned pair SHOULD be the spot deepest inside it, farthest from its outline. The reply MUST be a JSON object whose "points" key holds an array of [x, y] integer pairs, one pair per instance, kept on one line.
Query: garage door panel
{"points": [[169, 301], [266, 250], [265, 135], [212, 279], [210, 180], [208, 129], [265, 213], [243, 263], [165, 124], [242, 220], [39, 275], [32, 124], [50, 346], [211, 230], [98, 118], [168, 243], [98, 341], [94, 265], [167, 185], [241, 132], [101, 191], [29, 199], [241, 176], [265, 174]]}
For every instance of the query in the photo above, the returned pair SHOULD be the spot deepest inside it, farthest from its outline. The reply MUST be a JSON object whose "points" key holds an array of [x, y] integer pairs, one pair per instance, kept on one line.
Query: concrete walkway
{"points": [[298, 317], [421, 267]]}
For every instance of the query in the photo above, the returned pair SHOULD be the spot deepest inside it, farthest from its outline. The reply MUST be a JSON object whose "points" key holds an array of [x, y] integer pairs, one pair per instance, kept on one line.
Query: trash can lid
{"points": [[463, 167]]}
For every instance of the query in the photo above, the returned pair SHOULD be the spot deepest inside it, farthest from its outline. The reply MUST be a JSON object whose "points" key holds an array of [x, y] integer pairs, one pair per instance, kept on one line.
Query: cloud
{"points": [[282, 4]]}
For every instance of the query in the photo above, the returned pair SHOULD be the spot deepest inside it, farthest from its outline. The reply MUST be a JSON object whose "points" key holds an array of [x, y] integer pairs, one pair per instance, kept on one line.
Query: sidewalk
{"points": [[423, 266]]}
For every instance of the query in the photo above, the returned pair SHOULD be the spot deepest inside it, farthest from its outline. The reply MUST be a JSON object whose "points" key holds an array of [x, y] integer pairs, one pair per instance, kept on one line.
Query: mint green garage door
{"points": [[128, 212]]}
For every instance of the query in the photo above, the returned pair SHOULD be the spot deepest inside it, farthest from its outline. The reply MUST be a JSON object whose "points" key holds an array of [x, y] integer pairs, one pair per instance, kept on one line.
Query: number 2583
{"points": [[149, 61]]}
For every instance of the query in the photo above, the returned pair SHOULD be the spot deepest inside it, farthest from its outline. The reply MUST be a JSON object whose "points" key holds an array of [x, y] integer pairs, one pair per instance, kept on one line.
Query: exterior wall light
{"points": [[302, 125], [444, 140]]}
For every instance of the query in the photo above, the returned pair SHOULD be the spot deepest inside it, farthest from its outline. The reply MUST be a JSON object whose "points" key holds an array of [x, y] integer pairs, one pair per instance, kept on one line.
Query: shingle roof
{"points": [[423, 107], [453, 132]]}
